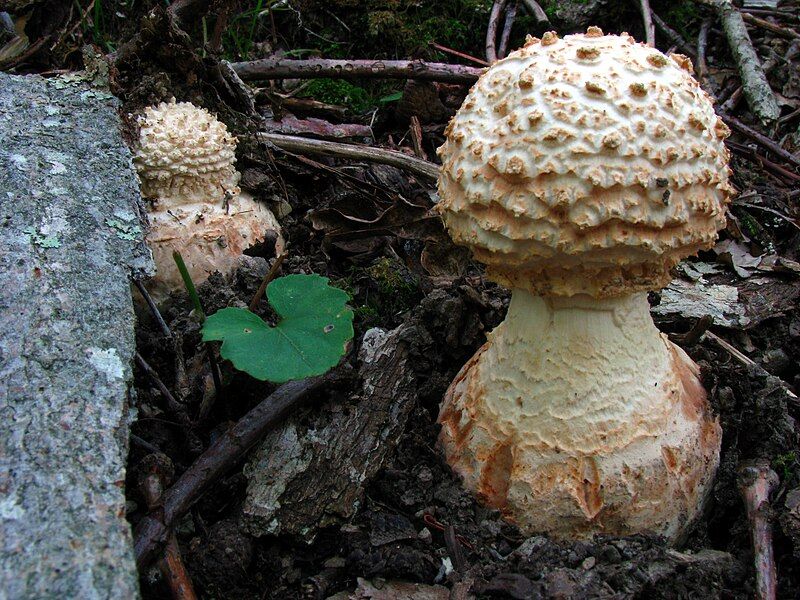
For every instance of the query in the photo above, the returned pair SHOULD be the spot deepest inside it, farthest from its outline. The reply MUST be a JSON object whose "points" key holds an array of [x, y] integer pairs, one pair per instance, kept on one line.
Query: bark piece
{"points": [[70, 240], [310, 472]]}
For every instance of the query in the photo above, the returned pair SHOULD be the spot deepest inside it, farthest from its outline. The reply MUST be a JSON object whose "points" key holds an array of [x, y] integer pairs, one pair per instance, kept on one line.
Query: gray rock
{"points": [[69, 238]]}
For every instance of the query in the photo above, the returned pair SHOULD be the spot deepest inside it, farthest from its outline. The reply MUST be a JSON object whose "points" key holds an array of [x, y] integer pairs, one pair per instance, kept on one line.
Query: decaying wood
{"points": [[760, 97], [153, 530], [756, 480], [286, 68], [291, 125], [310, 472], [412, 164], [458, 53]]}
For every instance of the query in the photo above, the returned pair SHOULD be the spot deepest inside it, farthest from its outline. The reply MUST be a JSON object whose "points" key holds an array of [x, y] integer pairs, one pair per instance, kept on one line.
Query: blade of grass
{"points": [[187, 281]]}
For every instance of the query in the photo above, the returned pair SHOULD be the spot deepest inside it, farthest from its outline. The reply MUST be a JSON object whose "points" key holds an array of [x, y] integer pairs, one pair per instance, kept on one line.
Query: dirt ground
{"points": [[371, 230]]}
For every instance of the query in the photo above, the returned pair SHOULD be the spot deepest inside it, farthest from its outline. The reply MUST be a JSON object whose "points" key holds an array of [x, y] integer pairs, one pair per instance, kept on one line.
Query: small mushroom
{"points": [[578, 416], [185, 160]]}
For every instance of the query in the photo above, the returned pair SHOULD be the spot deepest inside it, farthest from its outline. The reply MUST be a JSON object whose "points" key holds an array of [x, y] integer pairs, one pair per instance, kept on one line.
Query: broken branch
{"points": [[338, 150], [286, 68], [647, 18], [760, 97]]}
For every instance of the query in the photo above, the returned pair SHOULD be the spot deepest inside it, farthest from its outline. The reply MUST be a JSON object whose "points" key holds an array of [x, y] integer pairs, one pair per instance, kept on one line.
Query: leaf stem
{"points": [[267, 278]]}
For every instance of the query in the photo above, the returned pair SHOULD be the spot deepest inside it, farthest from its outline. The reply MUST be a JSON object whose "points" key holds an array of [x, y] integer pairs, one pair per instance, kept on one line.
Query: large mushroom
{"points": [[185, 160], [579, 171]]}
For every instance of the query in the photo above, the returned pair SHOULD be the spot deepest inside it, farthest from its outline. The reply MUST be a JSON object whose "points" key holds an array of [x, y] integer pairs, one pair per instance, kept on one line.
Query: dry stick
{"points": [[673, 36], [491, 30], [647, 18], [760, 97], [416, 137], [702, 44], [753, 156], [769, 26], [153, 308], [153, 530], [458, 53], [285, 68], [171, 565], [508, 23], [756, 480], [732, 350], [535, 10], [379, 155], [175, 408], [761, 140]]}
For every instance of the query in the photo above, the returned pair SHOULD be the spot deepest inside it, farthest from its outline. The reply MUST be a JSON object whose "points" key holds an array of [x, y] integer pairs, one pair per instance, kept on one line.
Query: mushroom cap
{"points": [[185, 155], [585, 165]]}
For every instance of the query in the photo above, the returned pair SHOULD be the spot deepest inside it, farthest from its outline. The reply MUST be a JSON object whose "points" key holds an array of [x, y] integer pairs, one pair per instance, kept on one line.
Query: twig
{"points": [[760, 97], [175, 408], [153, 530], [285, 68], [761, 140], [536, 11], [769, 26], [647, 18], [756, 480], [753, 156], [171, 565], [673, 36], [702, 44], [153, 308], [458, 53], [267, 278], [691, 337], [508, 24], [491, 30], [379, 155], [416, 137], [732, 350]]}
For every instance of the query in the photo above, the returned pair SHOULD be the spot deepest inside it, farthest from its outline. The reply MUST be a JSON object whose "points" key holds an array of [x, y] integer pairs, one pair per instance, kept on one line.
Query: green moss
{"points": [[380, 292], [684, 17], [785, 465], [339, 91]]}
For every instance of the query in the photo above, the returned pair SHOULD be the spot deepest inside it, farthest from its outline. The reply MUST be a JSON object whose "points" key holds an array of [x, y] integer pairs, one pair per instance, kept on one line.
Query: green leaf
{"points": [[315, 326]]}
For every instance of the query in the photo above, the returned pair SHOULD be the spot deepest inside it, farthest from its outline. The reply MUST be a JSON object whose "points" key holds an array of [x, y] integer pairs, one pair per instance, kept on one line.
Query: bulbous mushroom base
{"points": [[578, 417], [210, 238]]}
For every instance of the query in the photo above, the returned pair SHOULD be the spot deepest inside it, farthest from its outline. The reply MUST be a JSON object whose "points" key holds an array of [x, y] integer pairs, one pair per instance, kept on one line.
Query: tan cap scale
{"points": [[185, 160], [579, 171]]}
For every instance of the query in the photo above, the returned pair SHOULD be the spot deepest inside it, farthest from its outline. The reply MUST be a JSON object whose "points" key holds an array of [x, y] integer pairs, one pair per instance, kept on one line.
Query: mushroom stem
{"points": [[582, 407]]}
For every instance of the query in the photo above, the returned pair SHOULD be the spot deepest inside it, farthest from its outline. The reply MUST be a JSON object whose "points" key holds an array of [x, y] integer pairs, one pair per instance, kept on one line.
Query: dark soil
{"points": [[370, 229]]}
